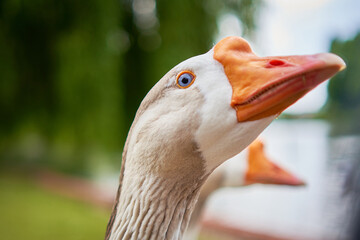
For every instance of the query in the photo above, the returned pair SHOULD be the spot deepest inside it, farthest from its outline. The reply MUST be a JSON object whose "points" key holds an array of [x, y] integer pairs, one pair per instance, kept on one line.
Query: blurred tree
{"points": [[343, 106], [60, 64], [27, 34], [88, 85], [136, 59]]}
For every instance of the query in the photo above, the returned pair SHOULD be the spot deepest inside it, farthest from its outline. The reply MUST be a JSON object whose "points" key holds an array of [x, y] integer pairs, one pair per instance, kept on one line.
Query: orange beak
{"points": [[262, 170], [265, 86]]}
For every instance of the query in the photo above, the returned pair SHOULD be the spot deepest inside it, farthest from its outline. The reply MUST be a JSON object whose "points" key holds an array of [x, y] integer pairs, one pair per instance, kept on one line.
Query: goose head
{"points": [[204, 111], [220, 101]]}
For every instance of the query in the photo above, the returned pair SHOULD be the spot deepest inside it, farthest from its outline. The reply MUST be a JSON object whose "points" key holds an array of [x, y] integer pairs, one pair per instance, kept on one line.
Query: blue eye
{"points": [[185, 79]]}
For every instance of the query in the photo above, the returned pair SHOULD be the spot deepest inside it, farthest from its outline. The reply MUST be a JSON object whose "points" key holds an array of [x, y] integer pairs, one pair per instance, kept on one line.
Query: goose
{"points": [[262, 170], [258, 168], [204, 111]]}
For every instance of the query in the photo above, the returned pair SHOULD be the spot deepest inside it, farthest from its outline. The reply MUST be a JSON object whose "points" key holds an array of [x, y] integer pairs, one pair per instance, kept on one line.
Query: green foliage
{"points": [[343, 107], [28, 212], [60, 79], [87, 83]]}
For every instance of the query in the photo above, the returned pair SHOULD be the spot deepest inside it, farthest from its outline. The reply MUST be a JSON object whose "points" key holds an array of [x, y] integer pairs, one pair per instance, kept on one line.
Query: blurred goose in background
{"points": [[262, 170], [258, 168], [204, 111]]}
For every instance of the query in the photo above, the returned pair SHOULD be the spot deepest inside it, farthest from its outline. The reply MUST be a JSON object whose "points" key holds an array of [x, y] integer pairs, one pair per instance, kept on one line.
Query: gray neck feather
{"points": [[154, 209]]}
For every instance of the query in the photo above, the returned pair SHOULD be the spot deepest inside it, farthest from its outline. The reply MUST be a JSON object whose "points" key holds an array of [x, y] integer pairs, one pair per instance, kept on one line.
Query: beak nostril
{"points": [[276, 62]]}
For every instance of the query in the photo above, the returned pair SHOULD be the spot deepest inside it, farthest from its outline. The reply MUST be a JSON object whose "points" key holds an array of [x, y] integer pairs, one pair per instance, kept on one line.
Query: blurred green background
{"points": [[72, 74]]}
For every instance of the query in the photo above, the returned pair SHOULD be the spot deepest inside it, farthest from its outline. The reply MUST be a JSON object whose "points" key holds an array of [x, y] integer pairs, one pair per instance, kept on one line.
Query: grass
{"points": [[29, 212]]}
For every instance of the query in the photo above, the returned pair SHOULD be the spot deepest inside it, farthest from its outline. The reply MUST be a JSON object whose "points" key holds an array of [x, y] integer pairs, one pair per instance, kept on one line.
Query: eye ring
{"points": [[185, 79]]}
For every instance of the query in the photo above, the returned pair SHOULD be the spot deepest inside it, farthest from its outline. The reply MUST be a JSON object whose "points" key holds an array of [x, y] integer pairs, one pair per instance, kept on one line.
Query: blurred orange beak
{"points": [[265, 86], [262, 170]]}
